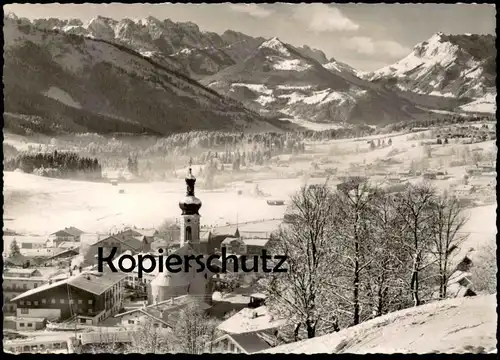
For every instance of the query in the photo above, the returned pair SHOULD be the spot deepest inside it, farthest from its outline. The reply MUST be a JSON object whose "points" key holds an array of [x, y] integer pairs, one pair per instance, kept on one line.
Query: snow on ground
{"points": [[486, 104], [480, 229], [41, 205], [460, 325], [295, 65], [313, 125], [290, 87], [255, 87], [277, 45], [62, 96], [435, 52]]}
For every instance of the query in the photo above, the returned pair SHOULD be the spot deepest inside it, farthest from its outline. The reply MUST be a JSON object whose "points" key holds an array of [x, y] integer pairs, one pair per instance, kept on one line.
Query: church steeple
{"points": [[190, 205]]}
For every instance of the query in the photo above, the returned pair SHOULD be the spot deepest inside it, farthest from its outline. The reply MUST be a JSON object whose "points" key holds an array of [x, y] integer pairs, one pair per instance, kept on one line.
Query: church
{"points": [[199, 285]]}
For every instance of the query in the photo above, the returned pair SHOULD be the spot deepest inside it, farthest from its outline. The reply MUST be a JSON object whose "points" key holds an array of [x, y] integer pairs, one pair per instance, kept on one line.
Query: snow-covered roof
{"points": [[40, 289], [250, 320], [249, 343], [256, 241]]}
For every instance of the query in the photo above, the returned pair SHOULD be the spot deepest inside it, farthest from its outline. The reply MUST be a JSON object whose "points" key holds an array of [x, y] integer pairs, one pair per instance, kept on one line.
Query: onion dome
{"points": [[190, 204]]}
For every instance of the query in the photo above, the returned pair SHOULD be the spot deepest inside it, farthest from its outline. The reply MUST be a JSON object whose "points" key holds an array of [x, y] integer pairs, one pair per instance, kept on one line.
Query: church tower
{"points": [[190, 218]]}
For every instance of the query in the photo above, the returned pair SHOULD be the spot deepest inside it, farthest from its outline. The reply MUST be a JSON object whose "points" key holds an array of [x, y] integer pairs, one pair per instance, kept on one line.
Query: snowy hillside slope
{"points": [[461, 325], [456, 66], [59, 82], [279, 78]]}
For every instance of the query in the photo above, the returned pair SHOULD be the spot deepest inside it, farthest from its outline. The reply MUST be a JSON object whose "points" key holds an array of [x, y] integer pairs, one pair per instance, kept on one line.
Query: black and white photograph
{"points": [[243, 178]]}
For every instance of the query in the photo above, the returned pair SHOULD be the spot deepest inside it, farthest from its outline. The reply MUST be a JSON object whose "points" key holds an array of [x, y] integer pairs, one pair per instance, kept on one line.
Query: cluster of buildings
{"points": [[77, 295]]}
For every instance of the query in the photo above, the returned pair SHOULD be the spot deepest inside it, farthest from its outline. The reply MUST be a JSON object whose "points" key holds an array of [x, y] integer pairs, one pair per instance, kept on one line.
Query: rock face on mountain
{"points": [[454, 66], [179, 45], [278, 78], [58, 82]]}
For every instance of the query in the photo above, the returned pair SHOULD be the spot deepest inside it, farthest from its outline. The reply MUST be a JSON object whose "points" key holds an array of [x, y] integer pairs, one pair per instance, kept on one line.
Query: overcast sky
{"points": [[366, 36]]}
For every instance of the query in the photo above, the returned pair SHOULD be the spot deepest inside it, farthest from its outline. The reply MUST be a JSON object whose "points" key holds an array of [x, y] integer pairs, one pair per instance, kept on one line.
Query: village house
{"points": [[17, 281], [163, 315], [49, 344], [62, 256], [90, 297], [486, 166], [25, 242], [67, 234], [246, 343], [244, 246], [135, 244], [250, 330], [252, 320], [132, 280], [144, 234], [464, 190], [65, 245]]}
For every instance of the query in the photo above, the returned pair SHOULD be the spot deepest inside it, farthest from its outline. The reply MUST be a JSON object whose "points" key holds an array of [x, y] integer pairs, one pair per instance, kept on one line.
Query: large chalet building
{"points": [[67, 234], [90, 297], [17, 281]]}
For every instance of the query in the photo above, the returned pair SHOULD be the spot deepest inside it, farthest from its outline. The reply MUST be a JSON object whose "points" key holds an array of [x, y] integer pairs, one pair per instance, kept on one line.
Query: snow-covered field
{"points": [[38, 205], [464, 325], [486, 104]]}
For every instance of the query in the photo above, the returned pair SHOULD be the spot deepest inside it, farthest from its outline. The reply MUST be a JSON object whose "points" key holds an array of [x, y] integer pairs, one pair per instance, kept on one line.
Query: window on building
{"points": [[53, 301], [155, 325], [25, 311], [71, 301], [188, 233], [35, 303], [21, 324], [44, 301], [21, 302], [35, 285], [90, 301], [25, 286], [29, 324], [61, 301], [80, 301], [28, 303], [90, 311], [131, 322]]}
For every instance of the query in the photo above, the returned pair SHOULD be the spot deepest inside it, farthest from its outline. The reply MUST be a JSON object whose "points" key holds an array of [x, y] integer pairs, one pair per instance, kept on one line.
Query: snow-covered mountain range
{"points": [[454, 66], [270, 77], [278, 78], [57, 82]]}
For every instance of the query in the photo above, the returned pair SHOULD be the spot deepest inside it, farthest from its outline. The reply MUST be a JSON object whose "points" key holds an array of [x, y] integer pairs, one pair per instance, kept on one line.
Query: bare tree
{"points": [[150, 339], [384, 275], [303, 294], [194, 331], [353, 231], [448, 218], [414, 209]]}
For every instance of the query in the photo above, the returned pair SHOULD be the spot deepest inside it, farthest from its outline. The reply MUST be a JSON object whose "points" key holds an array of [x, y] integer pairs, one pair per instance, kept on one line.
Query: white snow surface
{"points": [[293, 65], [62, 96], [435, 52], [460, 325], [276, 45], [255, 87], [485, 104], [38, 205]]}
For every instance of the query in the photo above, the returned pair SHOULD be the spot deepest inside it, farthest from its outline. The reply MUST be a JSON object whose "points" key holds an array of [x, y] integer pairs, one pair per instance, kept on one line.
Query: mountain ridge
{"points": [[80, 84]]}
